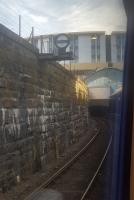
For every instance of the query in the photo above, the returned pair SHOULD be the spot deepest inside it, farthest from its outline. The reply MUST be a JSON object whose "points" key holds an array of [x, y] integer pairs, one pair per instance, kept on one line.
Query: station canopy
{"points": [[106, 77]]}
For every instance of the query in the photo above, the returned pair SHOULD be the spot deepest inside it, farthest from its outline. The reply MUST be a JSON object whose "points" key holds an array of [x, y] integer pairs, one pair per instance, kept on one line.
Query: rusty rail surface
{"points": [[36, 192], [97, 171]]}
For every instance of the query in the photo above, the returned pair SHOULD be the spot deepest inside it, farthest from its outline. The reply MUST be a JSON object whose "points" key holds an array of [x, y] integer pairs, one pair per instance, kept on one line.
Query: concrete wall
{"points": [[99, 92], [43, 109], [84, 54], [113, 49], [84, 43], [102, 48]]}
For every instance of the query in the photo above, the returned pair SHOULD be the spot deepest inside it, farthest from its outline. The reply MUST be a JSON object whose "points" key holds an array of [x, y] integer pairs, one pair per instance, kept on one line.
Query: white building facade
{"points": [[89, 49], [117, 47]]}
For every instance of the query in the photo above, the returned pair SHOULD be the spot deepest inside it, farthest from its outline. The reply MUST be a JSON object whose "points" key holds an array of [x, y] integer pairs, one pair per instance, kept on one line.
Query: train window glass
{"points": [[61, 83]]}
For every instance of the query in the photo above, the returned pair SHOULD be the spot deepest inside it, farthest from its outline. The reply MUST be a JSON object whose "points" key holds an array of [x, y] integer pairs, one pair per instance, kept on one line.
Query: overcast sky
{"points": [[55, 16]]}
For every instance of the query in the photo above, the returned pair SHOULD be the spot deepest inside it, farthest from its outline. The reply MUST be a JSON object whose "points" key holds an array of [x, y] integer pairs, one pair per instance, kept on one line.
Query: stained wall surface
{"points": [[43, 109]]}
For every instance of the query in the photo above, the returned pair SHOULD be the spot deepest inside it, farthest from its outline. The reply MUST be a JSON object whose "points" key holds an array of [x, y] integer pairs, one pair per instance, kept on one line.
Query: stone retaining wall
{"points": [[43, 109]]}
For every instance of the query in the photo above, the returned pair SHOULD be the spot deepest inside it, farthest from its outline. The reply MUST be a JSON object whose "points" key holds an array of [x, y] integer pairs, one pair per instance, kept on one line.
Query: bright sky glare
{"points": [[56, 16]]}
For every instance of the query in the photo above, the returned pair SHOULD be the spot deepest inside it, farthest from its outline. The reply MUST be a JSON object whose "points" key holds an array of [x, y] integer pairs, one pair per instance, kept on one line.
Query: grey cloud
{"points": [[48, 16]]}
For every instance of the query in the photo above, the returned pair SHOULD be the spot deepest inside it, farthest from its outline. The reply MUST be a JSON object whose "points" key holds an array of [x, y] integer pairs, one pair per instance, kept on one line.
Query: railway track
{"points": [[96, 173], [72, 179]]}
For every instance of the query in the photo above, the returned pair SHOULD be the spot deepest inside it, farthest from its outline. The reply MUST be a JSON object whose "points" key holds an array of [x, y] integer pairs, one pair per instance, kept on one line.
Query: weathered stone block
{"points": [[43, 109]]}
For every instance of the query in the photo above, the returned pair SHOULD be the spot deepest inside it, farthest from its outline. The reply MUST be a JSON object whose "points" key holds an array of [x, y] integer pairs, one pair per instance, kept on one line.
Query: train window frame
{"points": [[123, 174]]}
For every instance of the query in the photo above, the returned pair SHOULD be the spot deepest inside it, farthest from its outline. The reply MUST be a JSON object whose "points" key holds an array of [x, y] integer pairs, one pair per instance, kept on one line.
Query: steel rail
{"points": [[97, 171], [36, 192]]}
